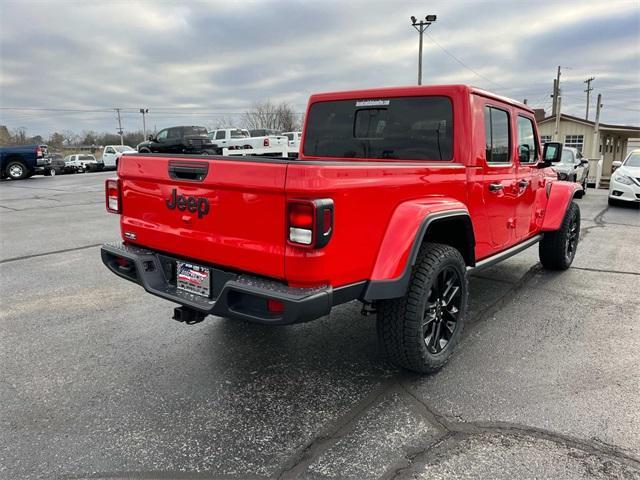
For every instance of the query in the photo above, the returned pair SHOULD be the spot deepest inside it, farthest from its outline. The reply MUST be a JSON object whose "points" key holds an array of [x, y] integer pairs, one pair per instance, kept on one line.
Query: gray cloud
{"points": [[223, 56]]}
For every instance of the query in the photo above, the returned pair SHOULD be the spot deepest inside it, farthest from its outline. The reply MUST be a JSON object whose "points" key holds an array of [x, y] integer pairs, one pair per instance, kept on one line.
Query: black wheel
{"points": [[17, 170], [558, 249], [50, 172], [420, 330], [144, 150], [612, 202], [584, 187], [581, 194]]}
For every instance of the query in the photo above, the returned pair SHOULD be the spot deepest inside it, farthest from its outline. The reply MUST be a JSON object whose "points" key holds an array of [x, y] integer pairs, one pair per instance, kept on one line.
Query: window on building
{"points": [[498, 139], [545, 139], [575, 141]]}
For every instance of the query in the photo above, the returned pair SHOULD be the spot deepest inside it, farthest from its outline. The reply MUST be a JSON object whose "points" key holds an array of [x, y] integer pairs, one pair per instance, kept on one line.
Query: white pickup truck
{"points": [[241, 139], [82, 163], [294, 142], [112, 153]]}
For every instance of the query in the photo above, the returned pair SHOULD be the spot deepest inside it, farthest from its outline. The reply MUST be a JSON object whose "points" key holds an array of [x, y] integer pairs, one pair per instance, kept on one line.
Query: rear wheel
{"points": [[420, 330], [50, 172], [558, 249], [17, 170]]}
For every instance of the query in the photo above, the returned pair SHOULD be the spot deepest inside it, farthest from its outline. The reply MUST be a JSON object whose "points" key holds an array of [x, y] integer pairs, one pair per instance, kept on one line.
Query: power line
{"points": [[462, 63]]}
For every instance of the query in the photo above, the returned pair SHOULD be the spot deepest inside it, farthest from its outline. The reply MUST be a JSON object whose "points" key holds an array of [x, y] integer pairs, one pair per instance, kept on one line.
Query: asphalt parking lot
{"points": [[98, 382]]}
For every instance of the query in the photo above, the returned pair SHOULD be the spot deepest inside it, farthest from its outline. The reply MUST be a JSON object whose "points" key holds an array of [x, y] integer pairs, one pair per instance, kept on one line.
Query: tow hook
{"points": [[368, 308], [188, 315]]}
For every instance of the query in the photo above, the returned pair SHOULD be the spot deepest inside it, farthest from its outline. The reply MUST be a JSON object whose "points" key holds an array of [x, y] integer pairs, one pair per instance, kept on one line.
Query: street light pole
{"points": [[144, 111], [420, 27]]}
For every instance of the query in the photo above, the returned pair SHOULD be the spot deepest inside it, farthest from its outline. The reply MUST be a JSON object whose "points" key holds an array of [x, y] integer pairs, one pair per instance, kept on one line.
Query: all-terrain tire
{"points": [[401, 321], [557, 249]]}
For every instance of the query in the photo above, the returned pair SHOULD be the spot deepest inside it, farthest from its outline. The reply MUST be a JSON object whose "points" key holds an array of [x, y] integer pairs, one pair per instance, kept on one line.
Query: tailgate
{"points": [[215, 210]]}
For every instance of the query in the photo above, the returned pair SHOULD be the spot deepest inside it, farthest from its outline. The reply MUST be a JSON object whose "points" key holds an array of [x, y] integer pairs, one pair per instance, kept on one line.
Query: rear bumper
{"points": [[233, 294]]}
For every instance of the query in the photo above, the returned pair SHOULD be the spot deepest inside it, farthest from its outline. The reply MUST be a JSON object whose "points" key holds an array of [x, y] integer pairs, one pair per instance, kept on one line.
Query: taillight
{"points": [[265, 143], [112, 195], [38, 152], [310, 222]]}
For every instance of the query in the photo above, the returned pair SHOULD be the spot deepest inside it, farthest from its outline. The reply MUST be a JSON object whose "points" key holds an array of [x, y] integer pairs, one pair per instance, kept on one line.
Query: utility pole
{"points": [[420, 27], [556, 92], [596, 130], [556, 135], [588, 90], [144, 111], [120, 132]]}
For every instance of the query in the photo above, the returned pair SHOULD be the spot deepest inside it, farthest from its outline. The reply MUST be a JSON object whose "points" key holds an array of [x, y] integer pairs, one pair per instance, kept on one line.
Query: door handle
{"points": [[495, 187]]}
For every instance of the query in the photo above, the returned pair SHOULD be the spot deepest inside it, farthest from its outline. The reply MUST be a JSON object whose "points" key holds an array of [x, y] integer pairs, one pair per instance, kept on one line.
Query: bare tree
{"points": [[268, 115], [70, 138]]}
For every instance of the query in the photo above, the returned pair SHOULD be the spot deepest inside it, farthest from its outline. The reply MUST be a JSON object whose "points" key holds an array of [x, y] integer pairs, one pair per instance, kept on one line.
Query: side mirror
{"points": [[552, 152], [584, 161], [615, 165], [151, 137]]}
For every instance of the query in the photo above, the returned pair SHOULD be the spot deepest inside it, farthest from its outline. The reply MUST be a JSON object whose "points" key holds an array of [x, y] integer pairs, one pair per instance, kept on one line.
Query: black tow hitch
{"points": [[188, 315]]}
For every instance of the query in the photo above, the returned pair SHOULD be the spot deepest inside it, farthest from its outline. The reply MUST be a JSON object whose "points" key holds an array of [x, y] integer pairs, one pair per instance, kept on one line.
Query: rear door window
{"points": [[411, 128], [497, 135]]}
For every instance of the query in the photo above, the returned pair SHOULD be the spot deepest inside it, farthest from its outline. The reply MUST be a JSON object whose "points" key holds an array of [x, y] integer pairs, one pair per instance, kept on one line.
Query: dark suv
{"points": [[186, 139]]}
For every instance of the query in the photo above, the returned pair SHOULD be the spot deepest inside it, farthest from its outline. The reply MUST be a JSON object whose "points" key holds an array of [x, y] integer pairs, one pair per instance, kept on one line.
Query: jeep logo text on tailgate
{"points": [[193, 204]]}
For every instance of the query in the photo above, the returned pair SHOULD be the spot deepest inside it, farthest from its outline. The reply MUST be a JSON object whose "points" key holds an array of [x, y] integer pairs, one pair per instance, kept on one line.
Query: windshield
{"points": [[124, 148], [567, 156], [633, 160], [237, 133], [413, 128]]}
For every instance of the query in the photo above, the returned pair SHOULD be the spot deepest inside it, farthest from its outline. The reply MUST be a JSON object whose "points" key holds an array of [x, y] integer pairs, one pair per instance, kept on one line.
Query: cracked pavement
{"points": [[98, 382]]}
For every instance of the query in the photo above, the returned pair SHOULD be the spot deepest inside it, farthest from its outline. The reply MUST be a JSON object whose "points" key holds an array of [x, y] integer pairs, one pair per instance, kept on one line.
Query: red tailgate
{"points": [[242, 228]]}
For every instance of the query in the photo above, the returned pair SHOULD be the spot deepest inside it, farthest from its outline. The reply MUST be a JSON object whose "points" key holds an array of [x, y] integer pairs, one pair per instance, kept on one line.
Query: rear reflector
{"points": [[275, 306], [112, 194]]}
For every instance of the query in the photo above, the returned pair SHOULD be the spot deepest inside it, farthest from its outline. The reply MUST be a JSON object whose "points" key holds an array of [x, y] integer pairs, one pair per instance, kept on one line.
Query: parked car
{"points": [[294, 142], [112, 153], [238, 138], [185, 139], [83, 162], [58, 166], [573, 168], [624, 185], [398, 193], [22, 161]]}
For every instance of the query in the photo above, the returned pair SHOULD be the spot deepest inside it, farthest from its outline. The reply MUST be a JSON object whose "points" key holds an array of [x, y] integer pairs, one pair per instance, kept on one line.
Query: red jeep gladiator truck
{"points": [[397, 194]]}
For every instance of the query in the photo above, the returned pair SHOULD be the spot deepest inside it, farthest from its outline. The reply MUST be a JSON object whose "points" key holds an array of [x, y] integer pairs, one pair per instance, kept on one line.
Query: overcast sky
{"points": [[208, 58]]}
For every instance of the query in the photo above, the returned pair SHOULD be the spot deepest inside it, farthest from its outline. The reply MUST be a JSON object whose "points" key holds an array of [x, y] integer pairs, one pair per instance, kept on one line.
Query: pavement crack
{"points": [[54, 252], [329, 436], [620, 272], [592, 446]]}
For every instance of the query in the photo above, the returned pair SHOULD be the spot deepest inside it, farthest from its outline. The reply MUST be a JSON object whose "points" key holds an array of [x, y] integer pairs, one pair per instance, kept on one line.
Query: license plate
{"points": [[193, 278]]}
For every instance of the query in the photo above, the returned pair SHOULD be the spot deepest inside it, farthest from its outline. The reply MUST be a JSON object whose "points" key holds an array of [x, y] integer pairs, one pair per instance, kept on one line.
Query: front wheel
{"points": [[420, 330], [558, 249]]}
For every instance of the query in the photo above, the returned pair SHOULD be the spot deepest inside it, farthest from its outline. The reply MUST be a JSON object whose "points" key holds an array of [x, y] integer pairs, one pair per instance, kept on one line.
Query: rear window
{"points": [[195, 131], [237, 133], [86, 157], [412, 128]]}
